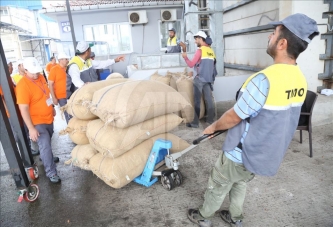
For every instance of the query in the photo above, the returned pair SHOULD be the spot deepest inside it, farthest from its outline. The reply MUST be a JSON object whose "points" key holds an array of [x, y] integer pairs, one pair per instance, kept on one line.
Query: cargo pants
{"points": [[204, 88], [226, 177], [45, 149]]}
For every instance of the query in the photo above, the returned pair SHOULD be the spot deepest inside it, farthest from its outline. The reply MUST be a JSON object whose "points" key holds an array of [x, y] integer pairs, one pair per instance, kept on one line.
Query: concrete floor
{"points": [[301, 194]]}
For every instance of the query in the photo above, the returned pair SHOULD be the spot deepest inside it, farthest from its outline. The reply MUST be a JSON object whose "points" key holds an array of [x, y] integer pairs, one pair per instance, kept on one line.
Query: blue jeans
{"points": [[204, 88], [45, 149]]}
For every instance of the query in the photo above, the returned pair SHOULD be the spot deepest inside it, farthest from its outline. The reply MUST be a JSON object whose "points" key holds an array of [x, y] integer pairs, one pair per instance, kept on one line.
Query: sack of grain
{"points": [[163, 79], [120, 171], [81, 155], [175, 76], [114, 76], [78, 104], [76, 129], [173, 79], [113, 142], [130, 103], [185, 88]]}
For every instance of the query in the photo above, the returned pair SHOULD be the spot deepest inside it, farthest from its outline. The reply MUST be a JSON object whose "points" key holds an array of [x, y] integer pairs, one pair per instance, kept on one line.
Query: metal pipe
{"points": [[239, 4], [248, 30], [98, 9], [204, 12], [71, 24], [242, 67]]}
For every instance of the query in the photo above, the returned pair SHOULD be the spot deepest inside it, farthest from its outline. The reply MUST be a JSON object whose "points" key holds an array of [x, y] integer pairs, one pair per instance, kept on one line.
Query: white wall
{"points": [[11, 45], [145, 38], [309, 61], [250, 49]]}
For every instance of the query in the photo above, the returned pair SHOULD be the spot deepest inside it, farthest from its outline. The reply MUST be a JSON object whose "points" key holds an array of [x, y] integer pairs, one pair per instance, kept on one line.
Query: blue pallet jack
{"points": [[162, 164]]}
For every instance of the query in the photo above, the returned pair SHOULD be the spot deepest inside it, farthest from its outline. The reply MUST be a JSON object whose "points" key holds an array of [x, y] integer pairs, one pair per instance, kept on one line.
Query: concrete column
{"points": [[216, 32], [191, 25]]}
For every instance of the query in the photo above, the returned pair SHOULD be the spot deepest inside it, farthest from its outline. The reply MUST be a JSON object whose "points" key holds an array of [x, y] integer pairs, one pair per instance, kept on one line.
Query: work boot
{"points": [[55, 159], [195, 217], [225, 215], [55, 179], [191, 125]]}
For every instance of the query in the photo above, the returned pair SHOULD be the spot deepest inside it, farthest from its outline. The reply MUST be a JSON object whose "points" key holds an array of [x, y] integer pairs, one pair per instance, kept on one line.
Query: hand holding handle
{"points": [[201, 138]]}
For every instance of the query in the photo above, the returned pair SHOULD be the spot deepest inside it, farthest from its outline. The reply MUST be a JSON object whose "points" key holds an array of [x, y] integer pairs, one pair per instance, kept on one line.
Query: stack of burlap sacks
{"points": [[183, 83], [116, 122]]}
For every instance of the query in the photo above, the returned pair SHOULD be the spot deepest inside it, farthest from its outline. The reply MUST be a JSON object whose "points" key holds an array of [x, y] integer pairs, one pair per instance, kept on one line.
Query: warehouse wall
{"points": [[11, 45], [145, 38], [250, 49], [309, 60]]}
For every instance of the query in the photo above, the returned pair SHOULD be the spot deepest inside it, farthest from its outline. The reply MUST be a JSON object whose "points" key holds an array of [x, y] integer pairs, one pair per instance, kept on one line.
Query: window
{"points": [[164, 32], [3, 12], [117, 36]]}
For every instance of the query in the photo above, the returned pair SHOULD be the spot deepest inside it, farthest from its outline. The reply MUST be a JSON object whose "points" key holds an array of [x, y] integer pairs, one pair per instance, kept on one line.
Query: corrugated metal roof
{"points": [[31, 5], [52, 4], [11, 27]]}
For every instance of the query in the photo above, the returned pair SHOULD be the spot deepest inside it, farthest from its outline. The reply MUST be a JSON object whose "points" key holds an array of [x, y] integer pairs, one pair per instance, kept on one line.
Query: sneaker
{"points": [[225, 215], [195, 217], [34, 153], [55, 179], [55, 159], [191, 125]]}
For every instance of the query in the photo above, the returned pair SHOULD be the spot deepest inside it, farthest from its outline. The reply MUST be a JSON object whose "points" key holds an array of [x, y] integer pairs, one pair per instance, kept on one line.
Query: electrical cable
{"points": [[267, 18], [143, 37]]}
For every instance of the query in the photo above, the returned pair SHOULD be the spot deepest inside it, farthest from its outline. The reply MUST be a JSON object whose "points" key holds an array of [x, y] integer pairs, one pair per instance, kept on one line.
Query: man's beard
{"points": [[198, 45], [271, 50]]}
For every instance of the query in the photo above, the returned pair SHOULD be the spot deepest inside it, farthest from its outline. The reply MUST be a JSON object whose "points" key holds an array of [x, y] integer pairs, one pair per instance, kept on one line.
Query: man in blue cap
{"points": [[261, 124], [174, 45]]}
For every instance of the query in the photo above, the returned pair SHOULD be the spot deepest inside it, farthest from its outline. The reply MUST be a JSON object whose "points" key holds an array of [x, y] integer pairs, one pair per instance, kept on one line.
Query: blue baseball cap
{"points": [[209, 41], [300, 25], [172, 29]]}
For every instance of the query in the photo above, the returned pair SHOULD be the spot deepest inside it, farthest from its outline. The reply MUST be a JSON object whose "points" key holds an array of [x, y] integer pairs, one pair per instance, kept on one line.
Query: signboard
{"points": [[65, 27]]}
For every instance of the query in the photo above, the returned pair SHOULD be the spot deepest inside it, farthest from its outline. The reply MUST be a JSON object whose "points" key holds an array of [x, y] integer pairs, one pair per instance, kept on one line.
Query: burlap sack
{"points": [[133, 102], [120, 171], [175, 76], [185, 88], [78, 104], [81, 155], [113, 142], [173, 79], [163, 79], [114, 76], [76, 129]]}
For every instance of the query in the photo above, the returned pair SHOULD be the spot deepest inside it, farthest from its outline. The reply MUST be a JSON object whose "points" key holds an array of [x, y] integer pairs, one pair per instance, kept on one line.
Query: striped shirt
{"points": [[248, 106]]}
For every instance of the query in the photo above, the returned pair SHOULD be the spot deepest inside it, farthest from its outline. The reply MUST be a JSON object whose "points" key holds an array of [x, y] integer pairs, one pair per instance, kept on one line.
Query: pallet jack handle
{"points": [[206, 136], [171, 160]]}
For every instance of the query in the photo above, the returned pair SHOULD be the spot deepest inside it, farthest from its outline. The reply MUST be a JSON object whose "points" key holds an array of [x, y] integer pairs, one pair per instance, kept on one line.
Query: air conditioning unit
{"points": [[137, 17], [169, 15]]}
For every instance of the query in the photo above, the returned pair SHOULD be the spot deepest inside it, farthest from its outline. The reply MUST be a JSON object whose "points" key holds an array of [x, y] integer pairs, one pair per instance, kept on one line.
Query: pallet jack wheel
{"points": [[32, 193], [167, 182], [33, 172], [177, 177]]}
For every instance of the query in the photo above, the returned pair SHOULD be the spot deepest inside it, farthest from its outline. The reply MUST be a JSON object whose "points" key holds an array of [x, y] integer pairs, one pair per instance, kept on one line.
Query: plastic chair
{"points": [[305, 117]]}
